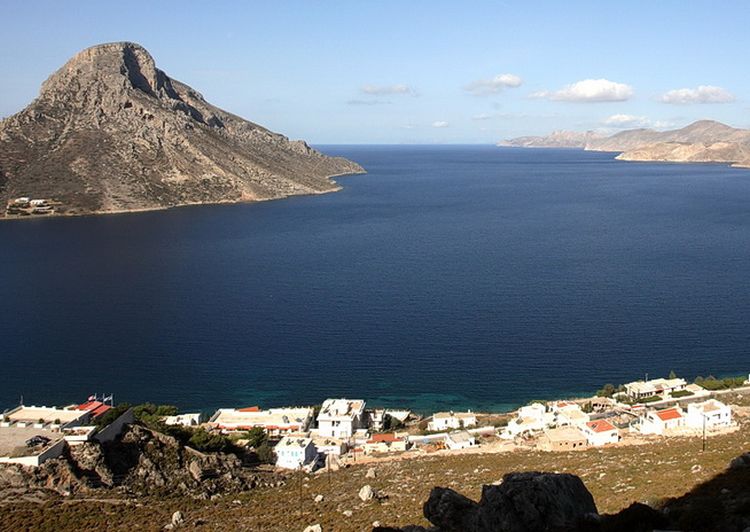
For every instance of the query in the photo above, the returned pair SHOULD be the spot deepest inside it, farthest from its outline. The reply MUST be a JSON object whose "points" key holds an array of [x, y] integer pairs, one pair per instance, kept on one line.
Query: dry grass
{"points": [[616, 476]]}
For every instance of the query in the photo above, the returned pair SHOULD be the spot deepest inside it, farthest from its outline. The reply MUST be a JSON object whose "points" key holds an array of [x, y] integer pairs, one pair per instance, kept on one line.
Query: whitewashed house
{"points": [[639, 390], [569, 414], [452, 420], [530, 418], [340, 418], [714, 413], [600, 432], [460, 440], [293, 453], [661, 421]]}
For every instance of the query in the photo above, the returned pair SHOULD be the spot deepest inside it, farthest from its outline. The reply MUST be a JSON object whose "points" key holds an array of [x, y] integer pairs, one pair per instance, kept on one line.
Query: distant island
{"points": [[705, 141], [110, 132]]}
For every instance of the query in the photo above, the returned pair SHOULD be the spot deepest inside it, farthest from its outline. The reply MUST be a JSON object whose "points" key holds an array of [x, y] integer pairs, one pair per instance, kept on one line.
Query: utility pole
{"points": [[704, 432]]}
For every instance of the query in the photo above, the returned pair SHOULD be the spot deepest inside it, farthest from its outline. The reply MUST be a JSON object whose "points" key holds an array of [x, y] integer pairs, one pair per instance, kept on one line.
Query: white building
{"points": [[45, 417], [600, 432], [452, 420], [530, 418], [293, 453], [276, 421], [330, 446], [340, 418], [460, 440], [569, 414], [644, 389], [714, 413], [661, 421], [186, 420]]}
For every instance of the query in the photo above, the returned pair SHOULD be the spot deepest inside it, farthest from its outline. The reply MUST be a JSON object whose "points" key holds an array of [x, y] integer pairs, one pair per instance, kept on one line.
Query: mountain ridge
{"points": [[110, 132], [705, 141]]}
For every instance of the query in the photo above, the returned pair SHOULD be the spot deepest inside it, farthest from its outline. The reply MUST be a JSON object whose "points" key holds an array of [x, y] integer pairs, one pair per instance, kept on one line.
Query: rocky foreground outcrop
{"points": [[143, 462], [551, 502], [111, 132]]}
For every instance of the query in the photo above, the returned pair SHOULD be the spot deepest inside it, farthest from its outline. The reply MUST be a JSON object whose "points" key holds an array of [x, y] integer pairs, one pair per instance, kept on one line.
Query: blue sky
{"points": [[413, 72]]}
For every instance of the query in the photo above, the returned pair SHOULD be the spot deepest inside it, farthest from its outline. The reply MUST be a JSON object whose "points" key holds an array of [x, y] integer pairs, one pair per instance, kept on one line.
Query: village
{"points": [[342, 432], [27, 206]]}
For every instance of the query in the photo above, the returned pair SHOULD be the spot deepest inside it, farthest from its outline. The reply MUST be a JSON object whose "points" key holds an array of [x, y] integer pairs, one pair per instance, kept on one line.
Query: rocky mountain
{"points": [[111, 132], [556, 139], [702, 141]]}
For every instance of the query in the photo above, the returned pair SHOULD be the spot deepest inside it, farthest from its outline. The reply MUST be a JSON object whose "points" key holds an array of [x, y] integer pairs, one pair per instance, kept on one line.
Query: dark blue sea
{"points": [[446, 277]]}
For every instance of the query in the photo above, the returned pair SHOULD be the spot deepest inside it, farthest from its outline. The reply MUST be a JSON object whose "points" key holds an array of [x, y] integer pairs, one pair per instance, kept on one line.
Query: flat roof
{"points": [[565, 434], [460, 436], [341, 408], [274, 417], [33, 414], [292, 441], [12, 438], [446, 415]]}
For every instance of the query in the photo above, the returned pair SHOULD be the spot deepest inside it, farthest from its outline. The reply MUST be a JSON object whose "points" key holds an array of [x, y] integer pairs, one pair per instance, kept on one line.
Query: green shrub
{"points": [[682, 393], [256, 437], [265, 453], [207, 442], [608, 390], [711, 383], [112, 414], [651, 399]]}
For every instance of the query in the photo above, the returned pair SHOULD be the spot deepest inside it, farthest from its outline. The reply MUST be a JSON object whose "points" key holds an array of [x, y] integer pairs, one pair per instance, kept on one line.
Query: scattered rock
{"points": [[348, 513], [367, 493], [195, 470], [318, 498], [177, 519], [314, 528], [696, 469], [371, 473]]}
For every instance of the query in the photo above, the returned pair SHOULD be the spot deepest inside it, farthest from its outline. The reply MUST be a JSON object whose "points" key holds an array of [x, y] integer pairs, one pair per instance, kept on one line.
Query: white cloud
{"points": [[589, 90], [484, 87], [626, 121], [482, 116], [380, 90], [440, 123], [701, 94], [623, 121]]}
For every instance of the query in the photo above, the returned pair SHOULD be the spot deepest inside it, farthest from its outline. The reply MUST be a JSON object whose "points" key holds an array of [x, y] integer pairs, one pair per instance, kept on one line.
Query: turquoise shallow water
{"points": [[447, 277]]}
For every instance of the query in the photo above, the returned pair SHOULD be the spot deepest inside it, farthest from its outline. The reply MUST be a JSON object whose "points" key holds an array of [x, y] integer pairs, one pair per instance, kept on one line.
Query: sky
{"points": [[391, 72]]}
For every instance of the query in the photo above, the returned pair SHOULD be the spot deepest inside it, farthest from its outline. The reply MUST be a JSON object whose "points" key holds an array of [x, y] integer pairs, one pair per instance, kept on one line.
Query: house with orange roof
{"points": [[661, 421], [600, 432], [385, 443]]}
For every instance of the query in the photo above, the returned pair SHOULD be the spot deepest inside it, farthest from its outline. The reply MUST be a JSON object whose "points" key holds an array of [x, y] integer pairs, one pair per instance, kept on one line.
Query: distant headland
{"points": [[705, 141]]}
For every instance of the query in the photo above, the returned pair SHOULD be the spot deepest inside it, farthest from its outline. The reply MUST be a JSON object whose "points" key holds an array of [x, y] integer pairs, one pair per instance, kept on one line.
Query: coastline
{"points": [[336, 188]]}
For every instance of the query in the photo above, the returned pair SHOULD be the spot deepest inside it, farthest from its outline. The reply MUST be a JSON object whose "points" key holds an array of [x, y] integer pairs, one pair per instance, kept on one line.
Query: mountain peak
{"points": [[112, 132]]}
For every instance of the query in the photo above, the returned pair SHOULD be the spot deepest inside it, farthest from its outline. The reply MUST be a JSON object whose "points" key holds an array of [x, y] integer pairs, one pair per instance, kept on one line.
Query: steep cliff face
{"points": [[111, 132]]}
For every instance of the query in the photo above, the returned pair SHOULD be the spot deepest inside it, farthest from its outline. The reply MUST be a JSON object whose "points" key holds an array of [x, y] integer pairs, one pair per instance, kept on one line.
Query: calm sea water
{"points": [[447, 277]]}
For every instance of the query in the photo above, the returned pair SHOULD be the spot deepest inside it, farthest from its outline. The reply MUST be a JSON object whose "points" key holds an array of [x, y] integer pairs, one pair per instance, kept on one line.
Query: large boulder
{"points": [[522, 502]]}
